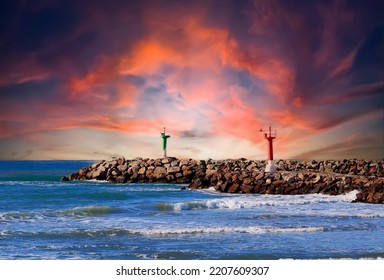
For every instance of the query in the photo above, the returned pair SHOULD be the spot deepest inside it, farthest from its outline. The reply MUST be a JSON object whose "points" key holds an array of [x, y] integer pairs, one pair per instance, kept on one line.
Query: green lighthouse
{"points": [[165, 137]]}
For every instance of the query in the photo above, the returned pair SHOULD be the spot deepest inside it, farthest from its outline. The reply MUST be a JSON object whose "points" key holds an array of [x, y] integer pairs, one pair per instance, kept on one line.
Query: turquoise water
{"points": [[44, 218]]}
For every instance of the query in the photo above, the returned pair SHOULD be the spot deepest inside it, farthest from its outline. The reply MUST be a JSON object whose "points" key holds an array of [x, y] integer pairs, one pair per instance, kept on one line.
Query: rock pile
{"points": [[242, 176], [139, 170], [350, 167], [371, 192], [247, 176]]}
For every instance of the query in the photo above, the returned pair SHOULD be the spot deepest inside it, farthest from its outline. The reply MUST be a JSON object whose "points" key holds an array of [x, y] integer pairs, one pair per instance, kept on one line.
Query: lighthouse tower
{"points": [[165, 137], [270, 167]]}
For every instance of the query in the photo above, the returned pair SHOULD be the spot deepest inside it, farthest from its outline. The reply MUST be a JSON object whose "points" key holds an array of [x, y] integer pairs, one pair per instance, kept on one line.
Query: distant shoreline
{"points": [[331, 177]]}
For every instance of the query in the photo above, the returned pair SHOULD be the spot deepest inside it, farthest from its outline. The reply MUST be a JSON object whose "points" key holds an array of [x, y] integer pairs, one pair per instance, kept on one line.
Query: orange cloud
{"points": [[191, 45], [286, 118], [235, 117], [195, 59], [191, 51], [104, 84], [195, 53]]}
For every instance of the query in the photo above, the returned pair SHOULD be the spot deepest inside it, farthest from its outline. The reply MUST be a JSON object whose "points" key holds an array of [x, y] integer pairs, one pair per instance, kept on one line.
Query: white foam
{"points": [[348, 196], [306, 205], [95, 181], [224, 230], [253, 201], [210, 190], [4, 232]]}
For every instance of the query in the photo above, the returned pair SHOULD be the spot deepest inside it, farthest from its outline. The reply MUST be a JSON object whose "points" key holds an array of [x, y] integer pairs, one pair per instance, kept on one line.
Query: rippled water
{"points": [[43, 218]]}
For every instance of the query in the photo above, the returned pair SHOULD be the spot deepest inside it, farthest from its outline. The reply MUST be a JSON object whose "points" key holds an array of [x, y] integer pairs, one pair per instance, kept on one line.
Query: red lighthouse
{"points": [[270, 167]]}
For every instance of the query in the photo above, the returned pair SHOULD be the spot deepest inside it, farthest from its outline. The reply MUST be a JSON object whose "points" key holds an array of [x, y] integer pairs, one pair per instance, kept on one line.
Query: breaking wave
{"points": [[163, 232], [225, 230], [92, 210], [255, 201]]}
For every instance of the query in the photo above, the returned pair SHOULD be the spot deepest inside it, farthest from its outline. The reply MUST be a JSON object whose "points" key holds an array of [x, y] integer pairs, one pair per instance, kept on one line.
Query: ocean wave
{"points": [[255, 201], [93, 210], [5, 232], [223, 230], [17, 216], [40, 183], [163, 232]]}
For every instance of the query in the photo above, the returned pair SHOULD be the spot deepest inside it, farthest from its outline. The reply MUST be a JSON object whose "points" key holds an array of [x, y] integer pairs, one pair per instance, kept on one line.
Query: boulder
{"points": [[247, 188], [99, 174], [289, 179], [121, 179], [149, 173], [184, 162], [248, 181], [175, 163], [142, 171], [259, 176], [83, 172], [210, 172], [159, 172], [123, 168], [316, 179], [170, 178], [182, 180], [173, 169], [196, 184], [235, 188], [133, 170], [224, 187]]}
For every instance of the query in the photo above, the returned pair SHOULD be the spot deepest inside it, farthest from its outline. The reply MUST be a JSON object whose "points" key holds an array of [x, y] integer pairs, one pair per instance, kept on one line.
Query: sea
{"points": [[43, 218]]}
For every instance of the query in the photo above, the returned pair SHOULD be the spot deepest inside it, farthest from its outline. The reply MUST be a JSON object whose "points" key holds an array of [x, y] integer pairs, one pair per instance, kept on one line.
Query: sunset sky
{"points": [[97, 79]]}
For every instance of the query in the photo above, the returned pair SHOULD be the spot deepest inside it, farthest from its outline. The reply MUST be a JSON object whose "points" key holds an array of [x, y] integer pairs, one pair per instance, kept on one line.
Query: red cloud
{"points": [[234, 116], [195, 61]]}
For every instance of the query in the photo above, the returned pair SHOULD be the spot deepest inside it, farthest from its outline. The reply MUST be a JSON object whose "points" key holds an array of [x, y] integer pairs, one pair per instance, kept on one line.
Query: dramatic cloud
{"points": [[93, 79]]}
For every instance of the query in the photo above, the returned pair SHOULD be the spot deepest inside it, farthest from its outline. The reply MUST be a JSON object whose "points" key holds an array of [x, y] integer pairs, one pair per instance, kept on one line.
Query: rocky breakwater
{"points": [[139, 170], [247, 176], [294, 177]]}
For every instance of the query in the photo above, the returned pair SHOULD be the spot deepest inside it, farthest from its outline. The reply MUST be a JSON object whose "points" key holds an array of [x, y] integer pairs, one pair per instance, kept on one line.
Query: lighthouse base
{"points": [[270, 167]]}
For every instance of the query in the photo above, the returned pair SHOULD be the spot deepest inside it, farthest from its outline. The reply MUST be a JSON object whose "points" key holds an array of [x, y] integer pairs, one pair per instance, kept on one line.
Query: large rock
{"points": [[159, 173], [100, 173], [142, 171], [173, 169], [235, 188]]}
